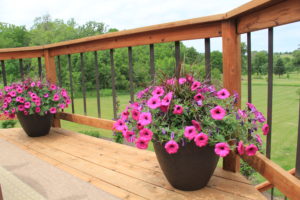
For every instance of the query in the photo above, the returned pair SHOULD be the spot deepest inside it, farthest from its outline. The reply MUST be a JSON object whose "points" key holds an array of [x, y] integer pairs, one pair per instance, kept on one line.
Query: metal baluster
{"points": [[3, 72], [97, 84], [207, 59], [177, 58], [152, 65], [21, 69], [59, 71], [40, 67], [249, 67], [113, 75], [130, 74], [83, 82], [71, 82], [297, 174]]}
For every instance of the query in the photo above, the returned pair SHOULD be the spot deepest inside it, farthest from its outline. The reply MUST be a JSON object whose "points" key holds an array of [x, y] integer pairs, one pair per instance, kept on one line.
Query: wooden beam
{"points": [[231, 76], [85, 120], [20, 54], [278, 14], [267, 185], [187, 32], [288, 184]]}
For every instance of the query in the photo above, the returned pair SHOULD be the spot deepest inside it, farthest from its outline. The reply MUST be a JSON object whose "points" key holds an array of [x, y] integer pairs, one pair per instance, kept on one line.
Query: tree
{"points": [[279, 68], [260, 61], [296, 59], [216, 60]]}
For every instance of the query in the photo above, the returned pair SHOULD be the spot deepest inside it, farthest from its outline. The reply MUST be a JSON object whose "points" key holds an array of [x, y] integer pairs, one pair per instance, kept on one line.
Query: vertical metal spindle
{"points": [[177, 58], [113, 84], [3, 72], [130, 73], [71, 82], [21, 69], [249, 63], [59, 71], [97, 84], [83, 82], [270, 95], [297, 174], [152, 65], [207, 59], [40, 67]]}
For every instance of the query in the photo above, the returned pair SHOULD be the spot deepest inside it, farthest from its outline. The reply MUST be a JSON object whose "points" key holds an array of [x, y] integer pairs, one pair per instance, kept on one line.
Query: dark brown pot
{"points": [[35, 125], [188, 169]]}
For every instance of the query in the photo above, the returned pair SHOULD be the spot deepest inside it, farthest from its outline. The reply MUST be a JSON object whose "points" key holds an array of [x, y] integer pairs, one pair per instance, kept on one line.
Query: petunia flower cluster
{"points": [[185, 110], [32, 97]]}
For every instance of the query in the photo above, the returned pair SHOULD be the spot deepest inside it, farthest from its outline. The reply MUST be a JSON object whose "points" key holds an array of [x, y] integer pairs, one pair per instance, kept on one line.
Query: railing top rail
{"points": [[246, 8]]}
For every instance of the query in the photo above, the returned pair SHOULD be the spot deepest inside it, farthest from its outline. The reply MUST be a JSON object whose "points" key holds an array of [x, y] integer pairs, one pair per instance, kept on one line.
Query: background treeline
{"points": [[46, 30]]}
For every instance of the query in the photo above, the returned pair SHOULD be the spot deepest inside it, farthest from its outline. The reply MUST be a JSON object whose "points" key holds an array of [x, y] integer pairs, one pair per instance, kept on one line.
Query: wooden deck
{"points": [[121, 170]]}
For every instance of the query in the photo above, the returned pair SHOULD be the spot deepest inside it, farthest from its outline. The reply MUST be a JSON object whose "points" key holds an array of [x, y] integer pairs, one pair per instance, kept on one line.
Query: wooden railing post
{"points": [[231, 76], [51, 77]]}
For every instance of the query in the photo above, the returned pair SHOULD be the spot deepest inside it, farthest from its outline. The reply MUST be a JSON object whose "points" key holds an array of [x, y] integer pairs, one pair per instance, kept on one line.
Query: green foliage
{"points": [[279, 68], [8, 124], [246, 169], [93, 133]]}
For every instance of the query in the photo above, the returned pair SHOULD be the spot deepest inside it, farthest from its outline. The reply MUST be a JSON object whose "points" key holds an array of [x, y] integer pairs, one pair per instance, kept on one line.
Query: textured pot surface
{"points": [[35, 125], [188, 169]]}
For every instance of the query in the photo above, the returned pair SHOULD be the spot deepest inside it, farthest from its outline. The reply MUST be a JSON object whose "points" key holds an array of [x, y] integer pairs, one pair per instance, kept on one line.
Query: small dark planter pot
{"points": [[35, 125], [190, 168]]}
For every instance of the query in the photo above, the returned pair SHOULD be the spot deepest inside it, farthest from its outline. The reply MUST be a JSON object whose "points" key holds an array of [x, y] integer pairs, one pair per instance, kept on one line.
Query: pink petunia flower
{"points": [[32, 84], [154, 102], [8, 99], [164, 108], [37, 109], [242, 113], [190, 132], [135, 114], [158, 91], [119, 125], [52, 110], [189, 78], [33, 95], [38, 103], [259, 117], [198, 97], [258, 139], [222, 149], [251, 107], [22, 100], [171, 81], [53, 87], [145, 118], [125, 114], [181, 81], [27, 105], [195, 85], [139, 126], [21, 108], [56, 97], [201, 140], [64, 93], [142, 143], [19, 90], [196, 125], [12, 93], [129, 136], [146, 133], [26, 112], [218, 113], [167, 99], [223, 94], [46, 95], [18, 99], [178, 110], [62, 106], [171, 147], [265, 129], [251, 150], [241, 148]]}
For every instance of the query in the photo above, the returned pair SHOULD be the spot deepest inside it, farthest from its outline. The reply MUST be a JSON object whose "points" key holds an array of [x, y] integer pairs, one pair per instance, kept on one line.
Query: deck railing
{"points": [[253, 16]]}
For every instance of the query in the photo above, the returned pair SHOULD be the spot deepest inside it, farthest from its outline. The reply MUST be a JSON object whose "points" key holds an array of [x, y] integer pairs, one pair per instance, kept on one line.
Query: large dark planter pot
{"points": [[190, 168], [35, 125]]}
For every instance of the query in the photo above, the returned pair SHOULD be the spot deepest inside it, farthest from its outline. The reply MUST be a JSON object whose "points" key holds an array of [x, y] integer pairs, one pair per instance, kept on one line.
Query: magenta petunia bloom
{"points": [[158, 91], [242, 113], [258, 139], [223, 94], [146, 133], [56, 97], [22, 100], [119, 124], [201, 140], [142, 143], [154, 102], [27, 105], [218, 113], [139, 126], [46, 95], [251, 150], [135, 114], [251, 107], [145, 118], [196, 125], [21, 108], [178, 110], [167, 99], [195, 85], [125, 114], [198, 97], [5, 105], [265, 129], [171, 147], [33, 95], [190, 132], [129, 136], [222, 149], [7, 99], [259, 117], [182, 81], [38, 103], [12, 93], [19, 90], [37, 109], [53, 87], [164, 108], [62, 106], [241, 148], [189, 78], [52, 110], [171, 81], [32, 84]]}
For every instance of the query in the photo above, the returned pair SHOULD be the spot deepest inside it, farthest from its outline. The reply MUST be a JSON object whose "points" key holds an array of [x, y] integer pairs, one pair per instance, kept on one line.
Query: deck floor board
{"points": [[121, 170]]}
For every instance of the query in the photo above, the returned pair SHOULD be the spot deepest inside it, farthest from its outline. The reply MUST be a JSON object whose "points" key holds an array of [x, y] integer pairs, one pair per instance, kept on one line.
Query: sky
{"points": [[130, 14]]}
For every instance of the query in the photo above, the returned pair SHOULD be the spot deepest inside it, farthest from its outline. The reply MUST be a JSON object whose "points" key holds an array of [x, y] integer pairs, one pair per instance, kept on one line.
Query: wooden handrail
{"points": [[288, 184]]}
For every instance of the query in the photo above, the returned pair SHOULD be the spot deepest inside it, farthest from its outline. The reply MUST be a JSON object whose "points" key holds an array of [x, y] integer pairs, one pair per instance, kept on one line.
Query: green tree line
{"points": [[46, 30]]}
